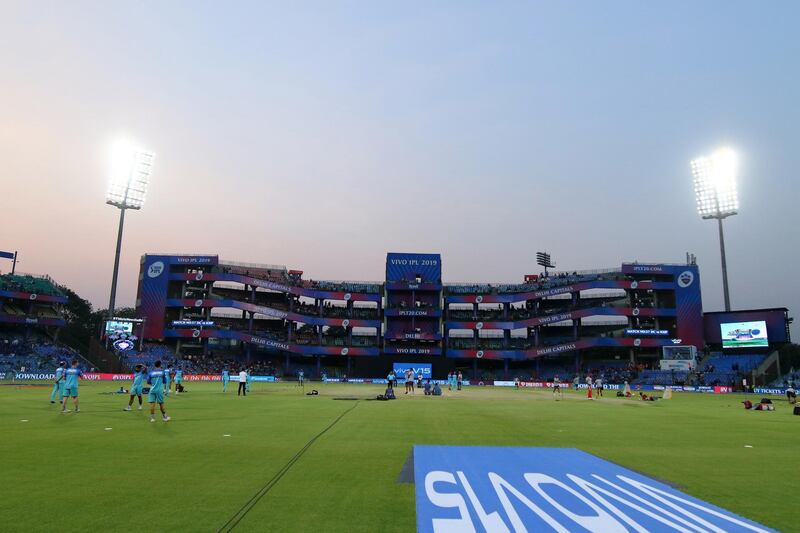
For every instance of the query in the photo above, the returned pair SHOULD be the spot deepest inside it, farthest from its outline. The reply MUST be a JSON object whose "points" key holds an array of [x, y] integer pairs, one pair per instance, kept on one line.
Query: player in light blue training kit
{"points": [[167, 376], [136, 387], [157, 379], [58, 386], [226, 377], [71, 376], [178, 379]]}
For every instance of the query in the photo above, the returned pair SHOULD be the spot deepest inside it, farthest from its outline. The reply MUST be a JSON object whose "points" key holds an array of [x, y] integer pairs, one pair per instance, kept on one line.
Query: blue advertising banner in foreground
{"points": [[466, 488]]}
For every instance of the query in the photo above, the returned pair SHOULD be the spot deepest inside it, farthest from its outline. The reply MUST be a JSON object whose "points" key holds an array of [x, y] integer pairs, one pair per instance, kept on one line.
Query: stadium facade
{"points": [[199, 303]]}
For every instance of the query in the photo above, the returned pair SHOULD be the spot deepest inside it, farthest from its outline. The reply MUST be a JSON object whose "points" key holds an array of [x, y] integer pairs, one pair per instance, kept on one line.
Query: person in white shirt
{"points": [[242, 383], [598, 387]]}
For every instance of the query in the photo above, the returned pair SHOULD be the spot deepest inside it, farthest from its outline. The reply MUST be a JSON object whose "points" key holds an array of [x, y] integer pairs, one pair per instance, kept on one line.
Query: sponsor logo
{"points": [[475, 488], [479, 354], [414, 262], [637, 342], [478, 299], [347, 296], [416, 368], [555, 318], [155, 270], [412, 350], [198, 303], [676, 341], [345, 351], [33, 296], [685, 279], [194, 260], [634, 284], [198, 276], [271, 312], [479, 325], [345, 323], [195, 333], [635, 311], [123, 345]]}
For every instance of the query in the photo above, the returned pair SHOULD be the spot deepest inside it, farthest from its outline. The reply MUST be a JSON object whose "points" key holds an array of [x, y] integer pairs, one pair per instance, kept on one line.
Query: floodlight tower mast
{"points": [[715, 191], [128, 189]]}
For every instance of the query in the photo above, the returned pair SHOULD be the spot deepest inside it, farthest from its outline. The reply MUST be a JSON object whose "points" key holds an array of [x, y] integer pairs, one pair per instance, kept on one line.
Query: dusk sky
{"points": [[323, 135]]}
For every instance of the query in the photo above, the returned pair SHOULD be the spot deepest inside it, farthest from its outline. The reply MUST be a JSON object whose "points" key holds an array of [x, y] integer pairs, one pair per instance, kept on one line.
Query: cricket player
{"points": [[157, 379], [249, 379], [136, 386], [226, 377], [168, 377], [71, 376], [557, 394], [178, 379], [58, 386]]}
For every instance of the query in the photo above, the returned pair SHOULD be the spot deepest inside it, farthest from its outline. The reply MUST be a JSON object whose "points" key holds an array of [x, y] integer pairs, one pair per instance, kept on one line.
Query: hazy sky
{"points": [[322, 135]]}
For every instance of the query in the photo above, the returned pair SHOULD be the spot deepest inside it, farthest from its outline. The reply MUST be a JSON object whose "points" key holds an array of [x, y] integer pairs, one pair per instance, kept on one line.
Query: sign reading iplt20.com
{"points": [[464, 489]]}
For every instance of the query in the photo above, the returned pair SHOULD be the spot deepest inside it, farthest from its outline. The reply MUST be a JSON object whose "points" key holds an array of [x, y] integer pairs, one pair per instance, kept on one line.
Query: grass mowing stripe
{"points": [[242, 512]]}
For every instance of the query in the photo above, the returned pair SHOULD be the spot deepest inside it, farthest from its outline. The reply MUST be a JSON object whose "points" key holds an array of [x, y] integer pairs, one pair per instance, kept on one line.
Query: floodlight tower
{"points": [[129, 179], [715, 190], [543, 260]]}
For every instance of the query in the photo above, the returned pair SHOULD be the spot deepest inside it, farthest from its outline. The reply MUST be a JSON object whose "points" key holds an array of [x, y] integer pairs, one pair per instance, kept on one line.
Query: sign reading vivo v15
{"points": [[464, 489], [416, 368]]}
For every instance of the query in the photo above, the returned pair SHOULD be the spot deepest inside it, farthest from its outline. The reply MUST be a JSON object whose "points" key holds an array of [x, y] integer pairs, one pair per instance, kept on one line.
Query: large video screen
{"points": [[744, 334], [114, 327]]}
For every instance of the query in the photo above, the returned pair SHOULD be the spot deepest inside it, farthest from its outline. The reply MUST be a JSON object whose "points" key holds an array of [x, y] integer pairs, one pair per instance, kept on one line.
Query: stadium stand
{"points": [[34, 354], [29, 283]]}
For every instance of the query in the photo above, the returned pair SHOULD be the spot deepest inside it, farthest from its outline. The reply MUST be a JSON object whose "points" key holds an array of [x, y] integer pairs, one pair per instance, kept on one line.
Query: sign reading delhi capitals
{"points": [[465, 488]]}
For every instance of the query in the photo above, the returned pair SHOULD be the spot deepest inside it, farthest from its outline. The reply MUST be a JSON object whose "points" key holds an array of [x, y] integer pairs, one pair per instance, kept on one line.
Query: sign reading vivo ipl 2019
{"points": [[464, 489], [417, 368], [409, 267]]}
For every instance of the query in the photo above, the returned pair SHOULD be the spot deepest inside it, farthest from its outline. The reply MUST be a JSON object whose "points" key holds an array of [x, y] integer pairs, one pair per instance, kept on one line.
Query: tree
{"points": [[81, 322]]}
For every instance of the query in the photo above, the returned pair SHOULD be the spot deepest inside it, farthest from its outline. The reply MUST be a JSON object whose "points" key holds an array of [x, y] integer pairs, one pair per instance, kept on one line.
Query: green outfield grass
{"points": [[69, 473]]}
